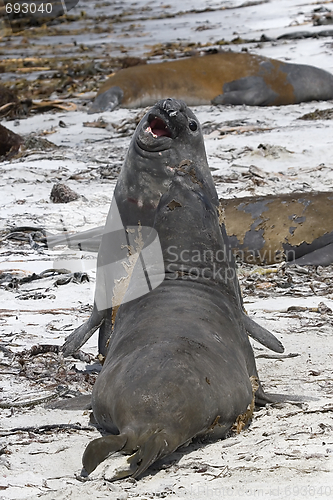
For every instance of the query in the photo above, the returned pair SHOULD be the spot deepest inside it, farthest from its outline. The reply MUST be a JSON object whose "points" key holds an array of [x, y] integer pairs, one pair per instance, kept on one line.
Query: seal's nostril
{"points": [[171, 106]]}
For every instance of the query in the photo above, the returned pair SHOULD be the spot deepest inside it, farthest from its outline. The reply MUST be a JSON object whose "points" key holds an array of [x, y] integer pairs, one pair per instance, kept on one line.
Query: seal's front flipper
{"points": [[107, 101], [266, 397], [251, 90], [105, 333], [99, 449], [320, 257], [80, 336], [262, 398], [87, 241], [263, 336]]}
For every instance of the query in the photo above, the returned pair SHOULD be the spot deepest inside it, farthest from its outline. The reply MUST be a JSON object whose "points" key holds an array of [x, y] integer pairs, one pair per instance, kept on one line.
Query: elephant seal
{"points": [[292, 227], [261, 230], [179, 363], [168, 137], [222, 78]]}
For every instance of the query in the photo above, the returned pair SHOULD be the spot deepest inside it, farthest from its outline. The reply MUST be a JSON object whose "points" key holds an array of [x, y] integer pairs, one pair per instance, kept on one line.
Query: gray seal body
{"points": [[145, 176], [179, 363], [168, 139]]}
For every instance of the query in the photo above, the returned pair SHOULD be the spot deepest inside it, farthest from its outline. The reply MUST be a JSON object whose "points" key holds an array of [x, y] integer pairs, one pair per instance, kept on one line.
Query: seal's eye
{"points": [[193, 125]]}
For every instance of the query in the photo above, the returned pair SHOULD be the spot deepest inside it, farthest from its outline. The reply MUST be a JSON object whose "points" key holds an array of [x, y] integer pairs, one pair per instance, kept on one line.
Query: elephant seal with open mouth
{"points": [[179, 363], [168, 137]]}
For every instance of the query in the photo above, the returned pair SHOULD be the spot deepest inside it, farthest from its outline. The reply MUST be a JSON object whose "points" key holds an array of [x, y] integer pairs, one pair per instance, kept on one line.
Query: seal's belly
{"points": [[166, 372]]}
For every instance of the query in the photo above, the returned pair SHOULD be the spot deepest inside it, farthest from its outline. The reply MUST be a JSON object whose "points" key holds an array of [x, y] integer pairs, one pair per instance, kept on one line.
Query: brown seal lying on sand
{"points": [[294, 227], [222, 78]]}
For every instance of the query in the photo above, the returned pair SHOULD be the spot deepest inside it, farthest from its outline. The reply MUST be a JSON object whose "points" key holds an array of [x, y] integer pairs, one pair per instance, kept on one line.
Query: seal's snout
{"points": [[172, 106], [162, 125], [158, 127]]}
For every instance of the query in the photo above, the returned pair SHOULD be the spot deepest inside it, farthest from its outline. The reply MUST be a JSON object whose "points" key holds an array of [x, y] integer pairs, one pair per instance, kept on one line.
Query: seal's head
{"points": [[168, 125], [168, 138]]}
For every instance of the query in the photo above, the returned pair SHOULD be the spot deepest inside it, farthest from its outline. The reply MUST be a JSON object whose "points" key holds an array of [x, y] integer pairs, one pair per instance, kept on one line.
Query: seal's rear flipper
{"points": [[259, 333], [320, 257], [154, 448], [99, 449], [250, 90], [107, 101], [151, 450]]}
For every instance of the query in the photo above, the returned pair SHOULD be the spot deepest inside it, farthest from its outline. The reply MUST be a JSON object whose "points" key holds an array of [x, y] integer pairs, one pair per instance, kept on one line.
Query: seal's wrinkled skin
{"points": [[293, 227], [223, 78], [167, 140], [179, 363]]}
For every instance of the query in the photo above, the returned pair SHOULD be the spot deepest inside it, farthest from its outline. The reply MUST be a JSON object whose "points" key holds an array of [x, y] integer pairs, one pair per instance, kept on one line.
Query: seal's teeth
{"points": [[159, 128], [149, 131]]}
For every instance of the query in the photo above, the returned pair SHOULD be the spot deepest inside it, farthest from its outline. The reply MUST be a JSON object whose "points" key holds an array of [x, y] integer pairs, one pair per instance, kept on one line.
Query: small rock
{"points": [[314, 373], [63, 194], [9, 143]]}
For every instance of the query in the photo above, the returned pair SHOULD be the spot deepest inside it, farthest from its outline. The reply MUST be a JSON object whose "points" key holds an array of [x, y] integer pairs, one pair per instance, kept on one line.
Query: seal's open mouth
{"points": [[157, 127], [156, 131]]}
